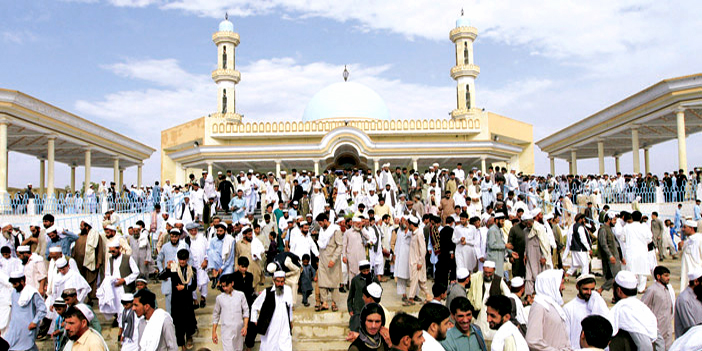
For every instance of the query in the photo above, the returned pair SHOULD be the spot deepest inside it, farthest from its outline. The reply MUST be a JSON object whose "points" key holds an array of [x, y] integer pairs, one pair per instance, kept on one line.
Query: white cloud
{"points": [[17, 37]]}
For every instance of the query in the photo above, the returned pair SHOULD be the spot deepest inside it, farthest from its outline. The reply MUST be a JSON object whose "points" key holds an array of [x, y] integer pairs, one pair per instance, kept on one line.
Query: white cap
{"points": [[61, 262], [5, 224], [85, 310], [295, 203], [111, 227], [414, 220], [462, 273], [340, 219], [271, 267], [611, 215], [17, 274], [23, 248], [357, 219], [583, 277], [113, 243], [694, 274], [527, 217], [517, 282], [279, 274], [626, 280], [499, 215], [127, 297], [55, 249], [51, 229], [363, 263], [38, 224], [535, 212], [691, 223], [374, 290], [303, 223], [549, 216], [489, 264]]}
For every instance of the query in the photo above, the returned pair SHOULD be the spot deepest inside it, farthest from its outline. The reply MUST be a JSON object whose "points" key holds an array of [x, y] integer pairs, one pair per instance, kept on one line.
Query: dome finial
{"points": [[226, 15], [461, 11], [346, 74]]}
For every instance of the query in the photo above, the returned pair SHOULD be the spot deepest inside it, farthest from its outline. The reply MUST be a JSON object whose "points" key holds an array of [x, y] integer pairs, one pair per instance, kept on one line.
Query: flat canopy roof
{"points": [[651, 111], [31, 122]]}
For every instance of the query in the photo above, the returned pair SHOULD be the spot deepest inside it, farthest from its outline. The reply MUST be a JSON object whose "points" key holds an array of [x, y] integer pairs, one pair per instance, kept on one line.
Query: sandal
{"points": [[317, 308], [334, 308]]}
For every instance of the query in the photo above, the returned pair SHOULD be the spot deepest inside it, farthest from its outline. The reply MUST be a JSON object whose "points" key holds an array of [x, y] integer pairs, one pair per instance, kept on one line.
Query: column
{"points": [[483, 166], [376, 165], [73, 177], [570, 167], [121, 179], [277, 168], [647, 164], [3, 157], [209, 168], [115, 170], [682, 147], [87, 169], [552, 160], [616, 164], [50, 166], [414, 165], [600, 155], [574, 162], [139, 170], [316, 167], [635, 149], [42, 168]]}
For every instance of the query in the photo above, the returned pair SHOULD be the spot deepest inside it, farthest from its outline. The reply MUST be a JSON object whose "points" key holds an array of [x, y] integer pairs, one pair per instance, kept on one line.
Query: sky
{"points": [[141, 66]]}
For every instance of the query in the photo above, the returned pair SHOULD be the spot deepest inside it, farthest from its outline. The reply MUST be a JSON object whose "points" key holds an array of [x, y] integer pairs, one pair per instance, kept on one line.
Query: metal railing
{"points": [[617, 193]]}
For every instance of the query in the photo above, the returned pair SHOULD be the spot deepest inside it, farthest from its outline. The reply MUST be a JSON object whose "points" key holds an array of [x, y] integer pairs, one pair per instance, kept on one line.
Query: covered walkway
{"points": [[668, 110]]}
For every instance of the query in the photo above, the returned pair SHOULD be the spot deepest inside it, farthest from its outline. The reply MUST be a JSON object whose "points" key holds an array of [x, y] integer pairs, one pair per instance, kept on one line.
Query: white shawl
{"points": [[26, 295], [91, 245], [152, 332], [227, 247], [634, 316], [325, 235], [548, 293], [506, 330]]}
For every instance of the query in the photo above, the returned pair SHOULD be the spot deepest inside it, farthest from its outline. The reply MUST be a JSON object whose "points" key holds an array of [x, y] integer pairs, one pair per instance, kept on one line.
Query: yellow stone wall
{"points": [[176, 138]]}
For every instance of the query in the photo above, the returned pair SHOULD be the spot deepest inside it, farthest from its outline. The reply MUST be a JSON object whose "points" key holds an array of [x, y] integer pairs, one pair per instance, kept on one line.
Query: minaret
{"points": [[465, 71], [226, 76]]}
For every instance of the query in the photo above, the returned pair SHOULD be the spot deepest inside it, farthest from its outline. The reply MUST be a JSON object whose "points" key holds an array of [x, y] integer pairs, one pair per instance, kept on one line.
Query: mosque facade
{"points": [[345, 125]]}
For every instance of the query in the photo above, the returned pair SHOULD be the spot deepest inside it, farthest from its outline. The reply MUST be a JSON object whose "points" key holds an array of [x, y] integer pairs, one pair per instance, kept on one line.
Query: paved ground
{"points": [[390, 300]]}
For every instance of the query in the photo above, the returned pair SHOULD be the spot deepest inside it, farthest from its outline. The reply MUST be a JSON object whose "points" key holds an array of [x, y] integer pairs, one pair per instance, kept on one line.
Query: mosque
{"points": [[345, 125]]}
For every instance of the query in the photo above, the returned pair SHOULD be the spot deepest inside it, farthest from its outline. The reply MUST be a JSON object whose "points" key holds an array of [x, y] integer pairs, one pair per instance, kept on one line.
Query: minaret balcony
{"points": [[225, 37], [464, 113], [226, 74], [469, 33], [465, 71], [228, 117]]}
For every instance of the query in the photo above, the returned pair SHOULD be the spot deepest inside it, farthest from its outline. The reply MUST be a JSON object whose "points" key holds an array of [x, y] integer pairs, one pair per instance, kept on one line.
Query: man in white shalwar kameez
{"points": [[277, 313], [120, 277], [636, 237], [691, 252], [231, 314], [587, 302], [467, 239], [5, 301], [198, 254]]}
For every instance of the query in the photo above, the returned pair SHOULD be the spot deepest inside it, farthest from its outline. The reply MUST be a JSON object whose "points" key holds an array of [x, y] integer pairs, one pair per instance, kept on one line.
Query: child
{"points": [[243, 281], [128, 324], [56, 330], [307, 276], [233, 309]]}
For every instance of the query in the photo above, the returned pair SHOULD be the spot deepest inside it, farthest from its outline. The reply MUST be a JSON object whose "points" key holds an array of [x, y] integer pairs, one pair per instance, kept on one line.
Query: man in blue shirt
{"points": [[64, 240], [464, 335], [220, 253], [169, 253]]}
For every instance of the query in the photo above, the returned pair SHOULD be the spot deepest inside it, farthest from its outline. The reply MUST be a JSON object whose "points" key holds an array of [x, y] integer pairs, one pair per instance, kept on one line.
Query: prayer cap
{"points": [[61, 262], [17, 274], [414, 220], [691, 223], [401, 195], [111, 227], [279, 274], [327, 205], [59, 302], [115, 243], [68, 292], [499, 215], [527, 217], [85, 310], [5, 224], [517, 282], [178, 221], [363, 263], [462, 273], [611, 215], [694, 274], [191, 225], [340, 219], [549, 216], [51, 229], [23, 248], [295, 203], [38, 225], [584, 277], [357, 219], [271, 267], [535, 212], [626, 280], [317, 186], [374, 290], [141, 279], [489, 264], [127, 297], [55, 249], [174, 231], [308, 215], [303, 223], [220, 225], [285, 210]]}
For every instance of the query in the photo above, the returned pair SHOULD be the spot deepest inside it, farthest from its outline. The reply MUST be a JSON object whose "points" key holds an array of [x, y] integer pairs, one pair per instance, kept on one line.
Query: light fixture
{"points": [[196, 144], [496, 138]]}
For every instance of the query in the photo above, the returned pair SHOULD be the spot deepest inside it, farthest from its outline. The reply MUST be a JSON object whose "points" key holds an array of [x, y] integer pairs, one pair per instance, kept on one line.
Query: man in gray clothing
{"points": [[610, 252], [460, 287], [658, 229]]}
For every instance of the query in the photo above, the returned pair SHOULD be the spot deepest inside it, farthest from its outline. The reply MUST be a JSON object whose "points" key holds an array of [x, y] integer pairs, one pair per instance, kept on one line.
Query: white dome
{"points": [[346, 100]]}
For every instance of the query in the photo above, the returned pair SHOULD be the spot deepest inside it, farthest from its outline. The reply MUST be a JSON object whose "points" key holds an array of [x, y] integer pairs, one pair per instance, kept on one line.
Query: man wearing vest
{"points": [[272, 314], [483, 285], [580, 246], [122, 270]]}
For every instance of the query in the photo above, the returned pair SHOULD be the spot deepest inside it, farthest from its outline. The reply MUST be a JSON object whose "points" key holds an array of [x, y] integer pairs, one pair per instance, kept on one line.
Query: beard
{"points": [[25, 260], [279, 290], [413, 347], [248, 239], [488, 279]]}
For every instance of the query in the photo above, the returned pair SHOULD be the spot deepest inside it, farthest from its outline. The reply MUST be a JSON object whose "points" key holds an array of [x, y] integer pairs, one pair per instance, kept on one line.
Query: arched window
{"points": [[465, 53], [224, 58], [467, 97], [224, 100]]}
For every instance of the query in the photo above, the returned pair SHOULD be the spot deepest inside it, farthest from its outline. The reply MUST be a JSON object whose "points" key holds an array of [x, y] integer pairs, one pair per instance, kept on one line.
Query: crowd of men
{"points": [[497, 251]]}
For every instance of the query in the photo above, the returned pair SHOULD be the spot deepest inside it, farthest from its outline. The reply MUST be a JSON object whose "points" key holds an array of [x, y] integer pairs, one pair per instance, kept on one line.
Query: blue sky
{"points": [[139, 66]]}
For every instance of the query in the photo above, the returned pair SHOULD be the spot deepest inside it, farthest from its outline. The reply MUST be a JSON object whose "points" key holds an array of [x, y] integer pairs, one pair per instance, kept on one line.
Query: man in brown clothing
{"points": [[89, 254]]}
